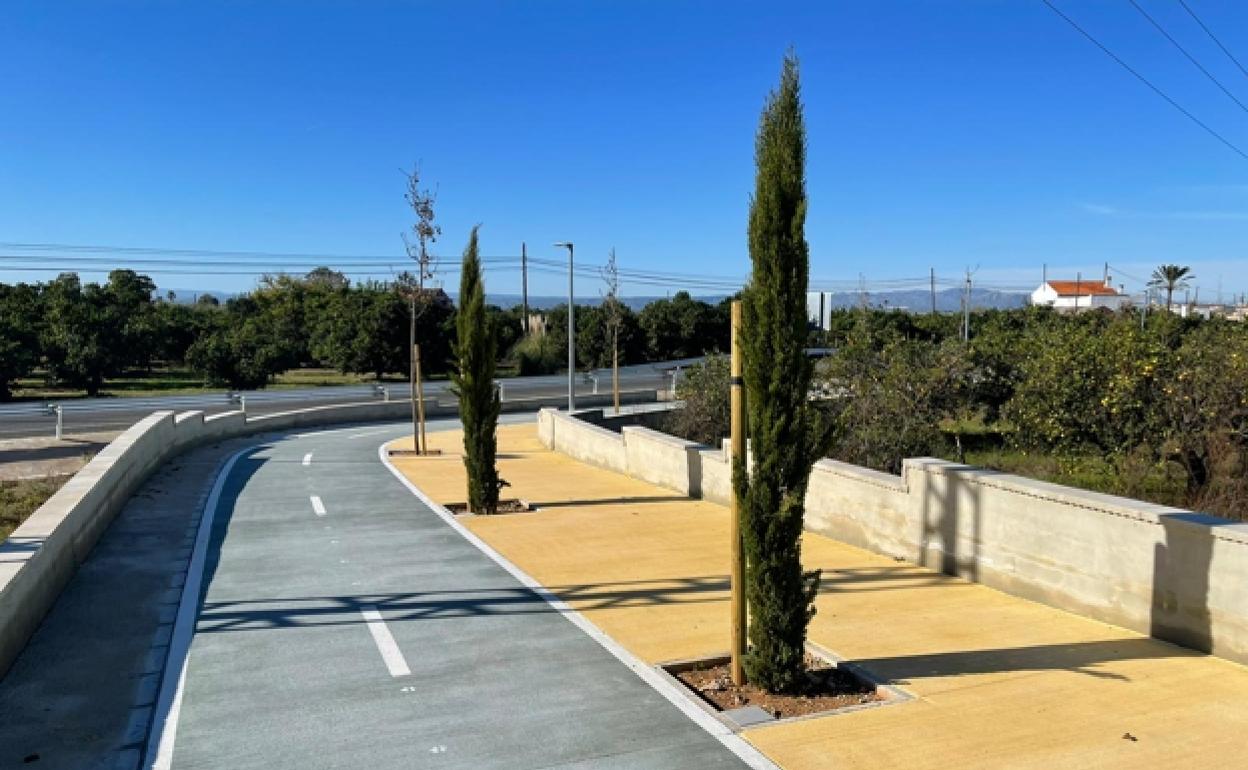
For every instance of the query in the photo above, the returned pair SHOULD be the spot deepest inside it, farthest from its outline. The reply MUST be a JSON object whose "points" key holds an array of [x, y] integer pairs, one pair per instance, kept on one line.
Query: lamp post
{"points": [[571, 330]]}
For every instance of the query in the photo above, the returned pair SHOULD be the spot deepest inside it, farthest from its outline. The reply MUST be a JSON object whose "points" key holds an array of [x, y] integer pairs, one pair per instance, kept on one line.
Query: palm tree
{"points": [[1171, 278]]}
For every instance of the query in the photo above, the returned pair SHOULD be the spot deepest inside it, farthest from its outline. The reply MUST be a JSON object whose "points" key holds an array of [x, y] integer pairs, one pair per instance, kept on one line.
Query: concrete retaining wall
{"points": [[1171, 573], [41, 555]]}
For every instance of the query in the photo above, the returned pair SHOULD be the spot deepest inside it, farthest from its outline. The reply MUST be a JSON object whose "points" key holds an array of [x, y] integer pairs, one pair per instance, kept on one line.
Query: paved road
{"points": [[343, 624], [25, 420]]}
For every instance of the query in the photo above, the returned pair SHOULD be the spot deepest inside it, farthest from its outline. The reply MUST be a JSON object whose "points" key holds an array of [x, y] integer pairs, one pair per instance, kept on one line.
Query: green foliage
{"points": [[593, 336], [1087, 383], [684, 327], [1171, 278], [92, 332], [476, 354], [786, 432], [888, 402], [365, 329], [241, 349], [19, 334], [706, 416], [1204, 411], [538, 354]]}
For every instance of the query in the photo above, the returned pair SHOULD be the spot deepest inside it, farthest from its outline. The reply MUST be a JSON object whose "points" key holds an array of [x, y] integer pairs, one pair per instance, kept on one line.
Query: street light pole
{"points": [[571, 330]]}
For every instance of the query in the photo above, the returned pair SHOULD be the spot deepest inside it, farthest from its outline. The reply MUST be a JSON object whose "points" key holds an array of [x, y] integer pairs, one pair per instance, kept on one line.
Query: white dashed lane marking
{"points": [[307, 459], [389, 649], [317, 506]]}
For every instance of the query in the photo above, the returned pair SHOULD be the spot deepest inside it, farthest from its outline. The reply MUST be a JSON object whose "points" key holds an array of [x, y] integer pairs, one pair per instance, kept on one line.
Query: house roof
{"points": [[1082, 288]]}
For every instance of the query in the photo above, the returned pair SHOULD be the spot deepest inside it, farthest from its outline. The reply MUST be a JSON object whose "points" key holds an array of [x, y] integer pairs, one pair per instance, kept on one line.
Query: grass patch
{"points": [[19, 499]]}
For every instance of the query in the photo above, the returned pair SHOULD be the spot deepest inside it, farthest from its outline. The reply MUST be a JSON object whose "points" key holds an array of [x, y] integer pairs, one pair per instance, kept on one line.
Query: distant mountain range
{"points": [[915, 301], [920, 301]]}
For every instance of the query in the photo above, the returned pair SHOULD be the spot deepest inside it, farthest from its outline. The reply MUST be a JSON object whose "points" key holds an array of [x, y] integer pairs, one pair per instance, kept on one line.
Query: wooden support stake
{"points": [[423, 445], [415, 411], [737, 578]]}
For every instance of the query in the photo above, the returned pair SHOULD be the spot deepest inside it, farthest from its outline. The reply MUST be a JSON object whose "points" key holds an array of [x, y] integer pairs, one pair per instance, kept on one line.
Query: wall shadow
{"points": [[952, 515], [637, 499], [1180, 590], [1077, 657]]}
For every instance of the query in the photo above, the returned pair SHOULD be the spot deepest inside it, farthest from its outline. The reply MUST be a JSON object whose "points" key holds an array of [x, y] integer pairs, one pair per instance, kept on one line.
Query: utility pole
{"points": [[571, 330], [737, 446], [1078, 289], [933, 273], [966, 309], [524, 284]]}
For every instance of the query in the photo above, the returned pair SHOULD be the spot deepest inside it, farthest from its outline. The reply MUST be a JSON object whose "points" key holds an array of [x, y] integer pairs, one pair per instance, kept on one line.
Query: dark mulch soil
{"points": [[827, 688], [504, 506]]}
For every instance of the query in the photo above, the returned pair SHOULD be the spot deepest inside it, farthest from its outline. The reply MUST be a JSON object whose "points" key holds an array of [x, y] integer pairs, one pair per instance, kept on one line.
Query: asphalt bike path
{"points": [[345, 624]]}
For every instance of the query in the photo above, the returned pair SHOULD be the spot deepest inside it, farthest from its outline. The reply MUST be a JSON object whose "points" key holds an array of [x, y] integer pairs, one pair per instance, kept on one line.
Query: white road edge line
{"points": [[318, 507], [164, 730], [389, 649], [733, 742], [307, 459], [368, 433]]}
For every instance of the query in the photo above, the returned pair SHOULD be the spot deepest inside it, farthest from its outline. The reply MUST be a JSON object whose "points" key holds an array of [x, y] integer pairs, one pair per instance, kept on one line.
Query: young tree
{"points": [[421, 200], [1171, 278], [475, 351], [786, 433]]}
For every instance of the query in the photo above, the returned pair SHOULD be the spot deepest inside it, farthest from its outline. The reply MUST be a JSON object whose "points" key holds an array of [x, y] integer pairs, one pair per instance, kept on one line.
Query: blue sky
{"points": [[942, 133]]}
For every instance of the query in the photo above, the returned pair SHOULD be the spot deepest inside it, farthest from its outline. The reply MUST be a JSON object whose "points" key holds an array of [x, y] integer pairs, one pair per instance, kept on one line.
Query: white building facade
{"points": [[1079, 295]]}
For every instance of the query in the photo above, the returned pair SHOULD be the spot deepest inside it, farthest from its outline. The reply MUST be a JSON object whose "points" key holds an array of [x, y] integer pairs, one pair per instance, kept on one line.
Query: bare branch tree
{"points": [[426, 233]]}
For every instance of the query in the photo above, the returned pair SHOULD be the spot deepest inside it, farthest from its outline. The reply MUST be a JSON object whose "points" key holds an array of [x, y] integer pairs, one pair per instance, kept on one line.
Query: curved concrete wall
{"points": [[1173, 574], [41, 555]]}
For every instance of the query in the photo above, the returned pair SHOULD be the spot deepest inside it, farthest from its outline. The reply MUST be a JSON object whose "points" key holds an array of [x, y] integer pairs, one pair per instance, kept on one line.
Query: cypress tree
{"points": [[786, 434], [475, 350]]}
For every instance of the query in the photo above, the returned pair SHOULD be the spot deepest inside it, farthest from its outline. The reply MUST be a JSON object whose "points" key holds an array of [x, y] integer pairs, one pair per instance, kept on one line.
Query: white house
{"points": [[1079, 295]]}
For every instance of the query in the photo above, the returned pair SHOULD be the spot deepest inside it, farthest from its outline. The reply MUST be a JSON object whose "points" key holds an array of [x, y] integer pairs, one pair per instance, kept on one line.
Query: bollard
{"points": [[60, 422], [502, 391], [242, 402], [594, 378], [385, 394]]}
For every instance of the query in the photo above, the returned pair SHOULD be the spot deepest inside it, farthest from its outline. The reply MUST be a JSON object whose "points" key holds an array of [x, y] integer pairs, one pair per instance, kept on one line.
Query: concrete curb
{"points": [[677, 697]]}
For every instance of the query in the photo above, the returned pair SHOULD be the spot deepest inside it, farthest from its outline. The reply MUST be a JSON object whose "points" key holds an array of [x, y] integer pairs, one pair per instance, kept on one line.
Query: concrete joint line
{"points": [[730, 740]]}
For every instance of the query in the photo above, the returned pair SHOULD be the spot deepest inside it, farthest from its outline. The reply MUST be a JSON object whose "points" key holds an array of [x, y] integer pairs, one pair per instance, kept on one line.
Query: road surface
{"points": [[342, 624], [97, 415]]}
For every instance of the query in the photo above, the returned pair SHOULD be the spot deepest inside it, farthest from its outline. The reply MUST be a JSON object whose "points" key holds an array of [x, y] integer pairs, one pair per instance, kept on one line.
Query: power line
{"points": [[309, 266], [1213, 37], [1190, 58], [1146, 81]]}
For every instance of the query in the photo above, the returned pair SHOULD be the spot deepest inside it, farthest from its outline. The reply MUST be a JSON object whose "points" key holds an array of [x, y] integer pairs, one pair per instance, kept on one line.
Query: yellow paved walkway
{"points": [[1000, 682]]}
